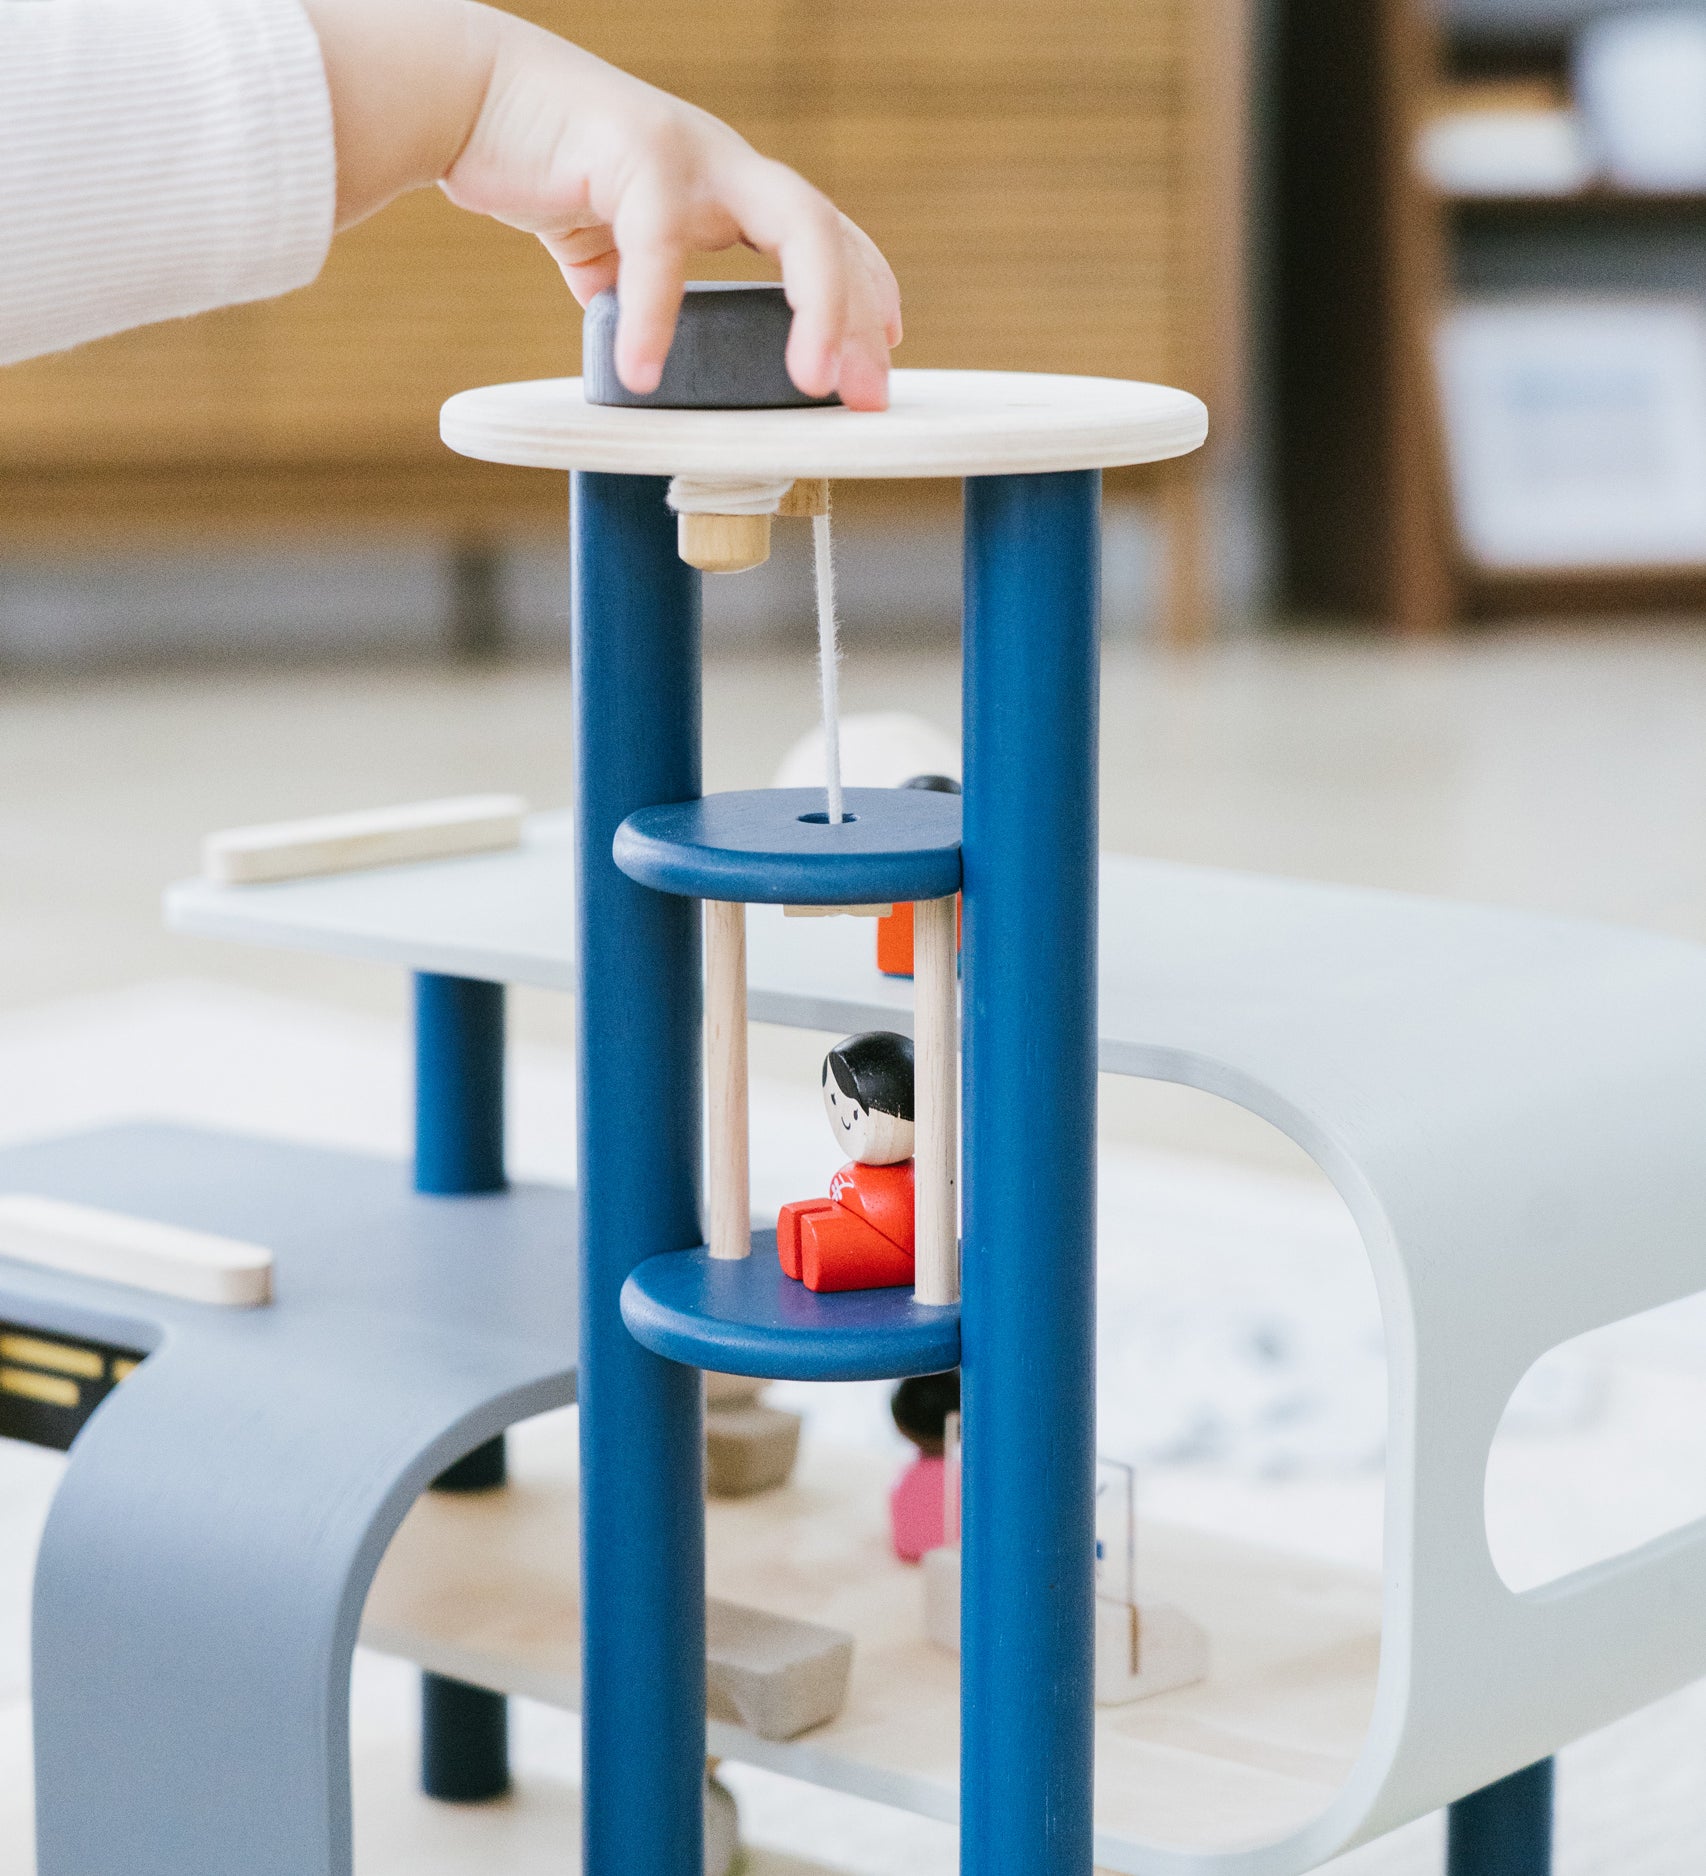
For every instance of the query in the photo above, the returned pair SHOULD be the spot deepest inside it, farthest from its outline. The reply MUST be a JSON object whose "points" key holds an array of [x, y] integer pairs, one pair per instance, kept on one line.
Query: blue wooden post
{"points": [[459, 1149], [1504, 1829], [636, 676], [1028, 1317], [459, 1085]]}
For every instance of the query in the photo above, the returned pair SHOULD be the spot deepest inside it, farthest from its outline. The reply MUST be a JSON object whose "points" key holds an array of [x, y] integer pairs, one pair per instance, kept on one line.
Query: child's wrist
{"points": [[407, 82]]}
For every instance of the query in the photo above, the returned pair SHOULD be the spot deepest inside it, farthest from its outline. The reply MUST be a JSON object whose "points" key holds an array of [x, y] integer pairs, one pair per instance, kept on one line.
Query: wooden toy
{"points": [[775, 1677], [340, 843], [917, 1504], [459, 1590], [51, 1384], [141, 1253], [862, 1236], [1031, 650], [1141, 1649], [257, 1460], [727, 354], [459, 1153], [1353, 1020], [895, 931], [1498, 1224], [749, 1445]]}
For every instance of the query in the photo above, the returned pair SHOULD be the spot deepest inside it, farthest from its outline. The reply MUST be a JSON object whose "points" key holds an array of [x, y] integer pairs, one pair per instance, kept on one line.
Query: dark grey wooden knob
{"points": [[727, 354]]}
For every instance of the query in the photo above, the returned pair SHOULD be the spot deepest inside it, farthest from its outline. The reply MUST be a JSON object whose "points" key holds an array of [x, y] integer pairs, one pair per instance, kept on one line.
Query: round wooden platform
{"points": [[743, 1316], [939, 423], [776, 846]]}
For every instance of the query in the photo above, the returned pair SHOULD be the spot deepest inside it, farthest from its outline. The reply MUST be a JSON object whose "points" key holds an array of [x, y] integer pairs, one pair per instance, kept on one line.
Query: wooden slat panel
{"points": [[1023, 242], [1028, 169]]}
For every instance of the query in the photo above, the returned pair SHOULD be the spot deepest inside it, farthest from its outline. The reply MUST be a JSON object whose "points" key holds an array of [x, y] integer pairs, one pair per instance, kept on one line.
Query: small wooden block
{"points": [[749, 1449], [840, 911], [345, 843], [808, 498], [1146, 1650], [729, 351], [722, 1829], [117, 1248], [774, 1676], [732, 1390], [723, 543]]}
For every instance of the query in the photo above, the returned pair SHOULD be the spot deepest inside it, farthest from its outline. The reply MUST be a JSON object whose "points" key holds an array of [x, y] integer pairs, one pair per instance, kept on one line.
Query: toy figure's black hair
{"points": [[921, 1405], [876, 1070], [937, 784]]}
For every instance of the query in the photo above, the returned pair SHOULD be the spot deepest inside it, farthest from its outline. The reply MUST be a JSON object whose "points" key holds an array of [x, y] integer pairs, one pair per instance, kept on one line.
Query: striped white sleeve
{"points": [[157, 158]]}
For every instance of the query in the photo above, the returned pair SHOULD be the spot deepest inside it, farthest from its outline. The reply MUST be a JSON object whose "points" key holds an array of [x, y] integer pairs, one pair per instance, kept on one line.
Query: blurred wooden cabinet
{"points": [[1370, 252], [1055, 184]]}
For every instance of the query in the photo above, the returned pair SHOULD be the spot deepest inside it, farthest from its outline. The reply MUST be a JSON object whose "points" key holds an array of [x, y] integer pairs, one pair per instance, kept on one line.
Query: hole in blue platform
{"points": [[819, 818]]}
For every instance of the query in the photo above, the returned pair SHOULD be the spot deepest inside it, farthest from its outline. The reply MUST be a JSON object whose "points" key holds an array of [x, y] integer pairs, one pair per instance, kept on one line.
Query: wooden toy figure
{"points": [[862, 1237], [921, 1405]]}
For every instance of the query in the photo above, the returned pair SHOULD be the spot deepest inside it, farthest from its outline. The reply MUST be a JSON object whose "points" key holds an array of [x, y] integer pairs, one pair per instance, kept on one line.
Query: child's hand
{"points": [[620, 181]]}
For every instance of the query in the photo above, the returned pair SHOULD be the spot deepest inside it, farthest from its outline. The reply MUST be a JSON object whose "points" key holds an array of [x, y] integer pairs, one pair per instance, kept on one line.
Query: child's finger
{"points": [[783, 215], [651, 276], [587, 258], [862, 375], [885, 288]]}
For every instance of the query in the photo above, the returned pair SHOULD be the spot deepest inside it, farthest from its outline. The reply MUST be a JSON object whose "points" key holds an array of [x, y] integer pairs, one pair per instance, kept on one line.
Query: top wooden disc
{"points": [[939, 423]]}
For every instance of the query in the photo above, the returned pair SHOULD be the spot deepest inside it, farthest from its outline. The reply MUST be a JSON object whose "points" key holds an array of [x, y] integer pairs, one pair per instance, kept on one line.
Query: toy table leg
{"points": [[636, 678], [1505, 1829], [459, 1148], [1028, 1314]]}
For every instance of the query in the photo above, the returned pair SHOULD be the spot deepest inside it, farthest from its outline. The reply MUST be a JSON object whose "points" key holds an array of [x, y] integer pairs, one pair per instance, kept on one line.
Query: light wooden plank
{"points": [[728, 1169], [142, 1253], [368, 837]]}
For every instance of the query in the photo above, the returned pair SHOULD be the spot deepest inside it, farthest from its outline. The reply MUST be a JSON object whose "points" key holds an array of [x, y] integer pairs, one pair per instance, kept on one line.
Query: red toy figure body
{"points": [[861, 1236]]}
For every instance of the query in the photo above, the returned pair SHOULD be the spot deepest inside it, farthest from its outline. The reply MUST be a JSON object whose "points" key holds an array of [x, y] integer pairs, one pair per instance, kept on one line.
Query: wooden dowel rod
{"points": [[729, 1177], [936, 1095]]}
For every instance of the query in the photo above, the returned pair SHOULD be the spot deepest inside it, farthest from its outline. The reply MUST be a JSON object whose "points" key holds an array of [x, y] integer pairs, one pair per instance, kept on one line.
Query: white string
{"points": [[828, 662], [728, 494]]}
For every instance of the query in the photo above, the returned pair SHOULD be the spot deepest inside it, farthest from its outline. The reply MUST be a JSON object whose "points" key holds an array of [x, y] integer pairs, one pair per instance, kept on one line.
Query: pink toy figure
{"points": [[921, 1406], [862, 1236]]}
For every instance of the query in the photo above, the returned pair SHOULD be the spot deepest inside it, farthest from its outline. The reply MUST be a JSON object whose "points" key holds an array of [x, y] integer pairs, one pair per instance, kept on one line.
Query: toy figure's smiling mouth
{"points": [[847, 1126]]}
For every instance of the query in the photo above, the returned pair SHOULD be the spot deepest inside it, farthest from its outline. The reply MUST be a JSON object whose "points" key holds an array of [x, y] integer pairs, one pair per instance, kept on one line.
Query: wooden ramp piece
{"points": [[347, 843], [87, 1241]]}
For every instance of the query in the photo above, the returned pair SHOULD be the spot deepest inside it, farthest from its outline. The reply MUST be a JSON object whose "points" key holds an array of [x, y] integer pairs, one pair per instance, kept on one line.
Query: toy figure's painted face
{"points": [[872, 1139], [867, 1094]]}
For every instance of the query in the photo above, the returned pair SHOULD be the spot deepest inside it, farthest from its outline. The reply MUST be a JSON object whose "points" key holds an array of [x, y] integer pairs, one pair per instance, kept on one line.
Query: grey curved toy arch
{"points": [[205, 1562]]}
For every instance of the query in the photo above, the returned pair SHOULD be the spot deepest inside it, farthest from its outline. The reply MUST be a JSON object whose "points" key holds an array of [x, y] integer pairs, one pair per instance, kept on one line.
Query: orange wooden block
{"points": [[788, 1232], [841, 1252], [894, 939], [894, 942]]}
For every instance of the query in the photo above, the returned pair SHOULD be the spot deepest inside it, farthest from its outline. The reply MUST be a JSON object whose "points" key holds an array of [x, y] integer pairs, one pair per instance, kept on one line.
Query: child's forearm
{"points": [[620, 181]]}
